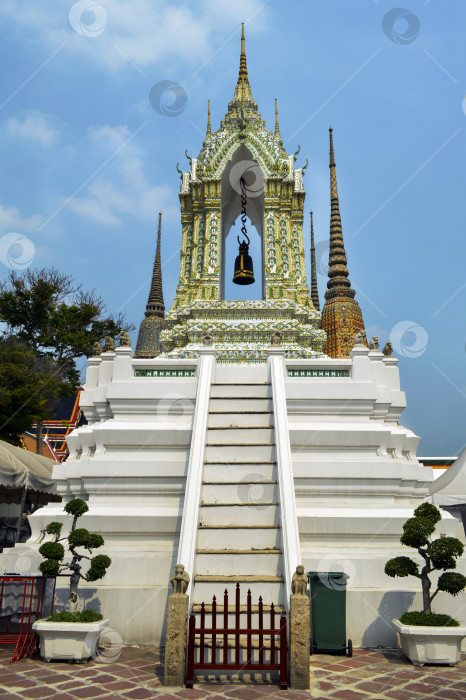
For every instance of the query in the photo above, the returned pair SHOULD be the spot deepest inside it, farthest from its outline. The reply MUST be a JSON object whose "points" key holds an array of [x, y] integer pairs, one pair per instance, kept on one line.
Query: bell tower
{"points": [[210, 196]]}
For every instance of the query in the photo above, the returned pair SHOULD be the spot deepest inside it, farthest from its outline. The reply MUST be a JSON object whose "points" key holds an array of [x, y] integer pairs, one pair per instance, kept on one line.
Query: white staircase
{"points": [[239, 537]]}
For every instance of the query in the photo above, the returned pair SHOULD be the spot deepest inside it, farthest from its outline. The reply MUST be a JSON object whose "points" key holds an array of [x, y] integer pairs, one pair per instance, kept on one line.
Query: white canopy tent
{"points": [[25, 476]]}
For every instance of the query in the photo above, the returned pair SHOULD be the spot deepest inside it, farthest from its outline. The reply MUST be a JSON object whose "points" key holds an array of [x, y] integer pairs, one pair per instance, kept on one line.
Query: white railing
{"points": [[288, 515], [190, 518]]}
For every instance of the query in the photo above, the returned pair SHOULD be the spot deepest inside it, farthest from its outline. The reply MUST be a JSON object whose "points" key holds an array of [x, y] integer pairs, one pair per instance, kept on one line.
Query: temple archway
{"points": [[242, 164]]}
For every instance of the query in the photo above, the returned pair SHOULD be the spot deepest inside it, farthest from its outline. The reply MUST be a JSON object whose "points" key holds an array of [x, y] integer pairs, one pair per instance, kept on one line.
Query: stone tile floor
{"points": [[137, 673]]}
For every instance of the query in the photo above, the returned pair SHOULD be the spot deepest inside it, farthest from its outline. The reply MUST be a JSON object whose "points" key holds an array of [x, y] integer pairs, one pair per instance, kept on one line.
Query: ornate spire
{"points": [[314, 288], [243, 89], [148, 344], [155, 305], [341, 315], [337, 263], [277, 127], [209, 130]]}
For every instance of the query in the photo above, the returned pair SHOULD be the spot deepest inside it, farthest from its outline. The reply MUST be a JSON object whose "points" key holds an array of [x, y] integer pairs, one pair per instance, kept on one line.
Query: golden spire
{"points": [[209, 130], [314, 288], [243, 89], [243, 69], [277, 127]]}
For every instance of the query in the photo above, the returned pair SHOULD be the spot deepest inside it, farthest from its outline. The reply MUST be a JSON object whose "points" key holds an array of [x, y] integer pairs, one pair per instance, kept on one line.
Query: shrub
{"points": [[84, 616], [438, 555], [428, 619], [54, 552]]}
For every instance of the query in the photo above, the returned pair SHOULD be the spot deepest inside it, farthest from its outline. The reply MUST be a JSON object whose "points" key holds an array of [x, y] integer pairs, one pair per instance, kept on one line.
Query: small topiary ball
{"points": [[49, 567], [52, 550], [76, 507]]}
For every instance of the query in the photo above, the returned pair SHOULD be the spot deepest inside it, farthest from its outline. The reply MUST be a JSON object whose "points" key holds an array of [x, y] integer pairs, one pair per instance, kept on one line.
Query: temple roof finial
{"points": [[277, 127], [243, 89], [209, 130], [314, 288]]}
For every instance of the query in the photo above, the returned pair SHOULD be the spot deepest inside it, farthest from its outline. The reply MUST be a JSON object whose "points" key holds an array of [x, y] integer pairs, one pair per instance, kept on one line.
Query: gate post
{"points": [[300, 632], [177, 625]]}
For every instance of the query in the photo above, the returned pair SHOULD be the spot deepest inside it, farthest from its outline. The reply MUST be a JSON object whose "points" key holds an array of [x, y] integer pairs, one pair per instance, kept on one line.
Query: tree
{"points": [[438, 554], [78, 538], [27, 385], [56, 321]]}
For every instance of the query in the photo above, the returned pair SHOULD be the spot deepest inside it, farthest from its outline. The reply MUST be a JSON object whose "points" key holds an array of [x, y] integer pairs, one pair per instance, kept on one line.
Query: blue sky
{"points": [[87, 162]]}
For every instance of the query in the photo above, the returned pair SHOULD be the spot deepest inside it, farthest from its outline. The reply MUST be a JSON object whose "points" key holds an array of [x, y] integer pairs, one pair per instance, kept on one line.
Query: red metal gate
{"points": [[22, 602], [226, 634]]}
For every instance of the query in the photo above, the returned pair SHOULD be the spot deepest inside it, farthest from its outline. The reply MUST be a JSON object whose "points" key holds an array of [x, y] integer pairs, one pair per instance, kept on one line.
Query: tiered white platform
{"points": [[277, 463]]}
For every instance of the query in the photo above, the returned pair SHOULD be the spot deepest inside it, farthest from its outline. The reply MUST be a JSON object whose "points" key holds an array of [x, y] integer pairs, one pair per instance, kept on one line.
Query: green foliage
{"points": [[452, 582], [50, 322], [27, 385], [95, 540], [52, 550], [429, 512], [54, 528], [98, 567], [79, 538], [428, 619], [84, 616], [76, 507], [401, 566], [416, 532], [444, 551], [440, 554], [49, 567]]}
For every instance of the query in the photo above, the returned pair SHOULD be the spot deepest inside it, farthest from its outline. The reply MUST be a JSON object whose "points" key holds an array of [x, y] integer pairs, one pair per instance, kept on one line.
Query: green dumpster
{"points": [[328, 613]]}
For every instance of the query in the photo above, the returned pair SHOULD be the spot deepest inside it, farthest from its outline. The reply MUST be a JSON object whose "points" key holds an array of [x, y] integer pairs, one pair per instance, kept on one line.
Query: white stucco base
{"points": [[356, 479]]}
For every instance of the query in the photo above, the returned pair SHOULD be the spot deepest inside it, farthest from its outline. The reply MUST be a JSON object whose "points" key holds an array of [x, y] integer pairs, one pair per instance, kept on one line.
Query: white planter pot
{"points": [[430, 645], [68, 640]]}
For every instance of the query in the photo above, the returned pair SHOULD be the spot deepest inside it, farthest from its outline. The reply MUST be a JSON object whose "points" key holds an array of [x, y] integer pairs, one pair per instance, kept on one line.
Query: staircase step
{"points": [[240, 391], [270, 588], [229, 564], [236, 578], [246, 514], [240, 420], [238, 551], [215, 473], [240, 436], [229, 537], [221, 453], [255, 491], [242, 405]]}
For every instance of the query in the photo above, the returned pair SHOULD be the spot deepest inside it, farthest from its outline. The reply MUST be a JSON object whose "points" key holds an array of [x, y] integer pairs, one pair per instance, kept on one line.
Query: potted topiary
{"points": [[427, 637], [71, 634]]}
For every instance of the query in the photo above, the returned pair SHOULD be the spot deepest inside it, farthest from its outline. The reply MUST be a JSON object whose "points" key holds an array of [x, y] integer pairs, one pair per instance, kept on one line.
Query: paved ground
{"points": [[137, 674]]}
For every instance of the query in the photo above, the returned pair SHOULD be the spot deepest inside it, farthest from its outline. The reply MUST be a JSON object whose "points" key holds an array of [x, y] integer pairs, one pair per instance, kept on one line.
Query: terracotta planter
{"points": [[68, 640], [430, 645]]}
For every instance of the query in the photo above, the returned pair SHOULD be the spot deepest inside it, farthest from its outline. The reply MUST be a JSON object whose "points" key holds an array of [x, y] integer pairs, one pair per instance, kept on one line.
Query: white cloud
{"points": [[36, 126], [126, 191], [146, 33], [11, 219]]}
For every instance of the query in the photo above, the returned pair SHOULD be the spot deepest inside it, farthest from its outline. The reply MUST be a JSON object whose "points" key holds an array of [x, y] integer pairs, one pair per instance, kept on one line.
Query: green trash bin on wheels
{"points": [[328, 613]]}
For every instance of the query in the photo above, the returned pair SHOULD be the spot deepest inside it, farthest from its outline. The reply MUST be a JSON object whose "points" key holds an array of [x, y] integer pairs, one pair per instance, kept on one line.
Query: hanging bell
{"points": [[244, 273]]}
